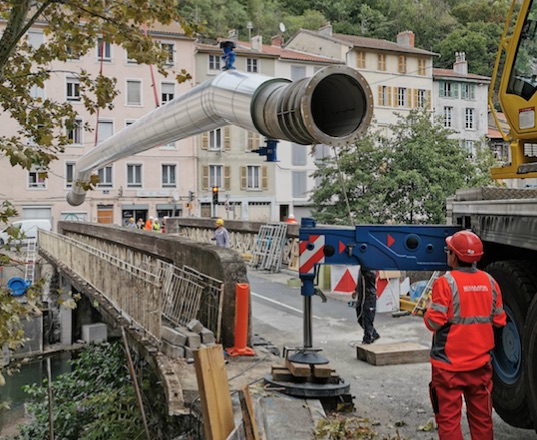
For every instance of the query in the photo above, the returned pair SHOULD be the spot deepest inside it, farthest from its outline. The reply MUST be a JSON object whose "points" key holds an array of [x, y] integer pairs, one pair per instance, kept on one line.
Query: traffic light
{"points": [[190, 196], [215, 195]]}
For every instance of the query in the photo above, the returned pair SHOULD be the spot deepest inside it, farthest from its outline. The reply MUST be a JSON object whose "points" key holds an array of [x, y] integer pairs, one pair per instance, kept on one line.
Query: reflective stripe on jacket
{"points": [[466, 303]]}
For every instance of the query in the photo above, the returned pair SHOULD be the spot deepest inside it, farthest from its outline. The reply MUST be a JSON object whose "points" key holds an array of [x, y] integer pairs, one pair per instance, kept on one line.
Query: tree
{"points": [[350, 191], [426, 167], [72, 28], [405, 178]]}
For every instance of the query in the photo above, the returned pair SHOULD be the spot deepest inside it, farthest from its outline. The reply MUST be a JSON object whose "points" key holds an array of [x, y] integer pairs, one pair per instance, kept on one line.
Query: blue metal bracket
{"points": [[229, 55], [269, 151], [376, 247]]}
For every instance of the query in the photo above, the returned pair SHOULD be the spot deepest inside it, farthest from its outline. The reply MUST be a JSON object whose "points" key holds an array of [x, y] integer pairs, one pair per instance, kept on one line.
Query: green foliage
{"points": [[337, 427], [96, 400], [403, 179]]}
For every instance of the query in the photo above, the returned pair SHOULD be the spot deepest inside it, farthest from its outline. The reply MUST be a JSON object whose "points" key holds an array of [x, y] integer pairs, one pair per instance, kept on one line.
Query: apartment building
{"points": [[152, 183], [461, 100], [399, 74], [250, 188]]}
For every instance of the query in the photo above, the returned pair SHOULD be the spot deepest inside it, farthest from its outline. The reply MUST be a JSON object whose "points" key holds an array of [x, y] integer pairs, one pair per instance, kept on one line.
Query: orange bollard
{"points": [[242, 297]]}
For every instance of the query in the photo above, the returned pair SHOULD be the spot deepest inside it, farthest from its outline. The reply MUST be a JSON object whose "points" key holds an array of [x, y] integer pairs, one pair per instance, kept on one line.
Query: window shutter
{"points": [[264, 177], [205, 177], [205, 141], [414, 98], [244, 181], [395, 96], [227, 138], [379, 88], [227, 177], [455, 90], [389, 103], [428, 104]]}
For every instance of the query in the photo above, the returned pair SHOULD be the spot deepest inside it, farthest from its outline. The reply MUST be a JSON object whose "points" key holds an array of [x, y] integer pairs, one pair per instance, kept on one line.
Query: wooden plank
{"points": [[393, 354], [248, 414], [322, 370], [281, 374], [213, 387], [298, 370]]}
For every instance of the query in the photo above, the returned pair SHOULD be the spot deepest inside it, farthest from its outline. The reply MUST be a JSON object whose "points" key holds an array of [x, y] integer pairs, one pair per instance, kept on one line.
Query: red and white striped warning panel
{"points": [[310, 257]]}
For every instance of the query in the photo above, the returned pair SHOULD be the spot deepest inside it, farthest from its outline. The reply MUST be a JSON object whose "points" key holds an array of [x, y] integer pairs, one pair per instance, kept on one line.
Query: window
{"points": [[169, 176], [215, 175], [299, 154], [254, 173], [421, 67], [384, 95], [214, 62], [254, 141], [105, 130], [74, 133], [252, 65], [401, 65], [449, 90], [448, 117], [298, 72], [360, 59], [468, 91], [35, 39], [167, 92], [421, 98], [37, 92], [134, 176], [402, 97], [469, 117], [69, 174], [170, 50], [382, 62], [300, 184], [215, 139], [470, 148], [37, 177], [73, 89], [104, 50], [105, 177], [134, 92]]}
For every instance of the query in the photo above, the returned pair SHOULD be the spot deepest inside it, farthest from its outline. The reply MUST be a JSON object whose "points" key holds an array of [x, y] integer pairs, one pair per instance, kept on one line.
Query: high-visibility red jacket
{"points": [[466, 304]]}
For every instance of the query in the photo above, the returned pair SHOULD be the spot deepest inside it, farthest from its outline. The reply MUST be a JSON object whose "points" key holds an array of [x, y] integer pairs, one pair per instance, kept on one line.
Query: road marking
{"points": [[294, 309]]}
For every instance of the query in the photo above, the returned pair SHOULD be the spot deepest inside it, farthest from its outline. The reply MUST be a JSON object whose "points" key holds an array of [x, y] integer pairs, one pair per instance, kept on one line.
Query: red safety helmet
{"points": [[467, 246]]}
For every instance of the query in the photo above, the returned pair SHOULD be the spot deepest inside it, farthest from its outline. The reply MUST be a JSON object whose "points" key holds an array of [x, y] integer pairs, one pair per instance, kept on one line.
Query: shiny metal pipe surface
{"points": [[333, 107]]}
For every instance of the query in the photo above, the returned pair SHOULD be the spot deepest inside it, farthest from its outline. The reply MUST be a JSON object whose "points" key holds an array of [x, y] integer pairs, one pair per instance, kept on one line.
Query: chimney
{"points": [[277, 40], [257, 43], [405, 38], [326, 30], [460, 65]]}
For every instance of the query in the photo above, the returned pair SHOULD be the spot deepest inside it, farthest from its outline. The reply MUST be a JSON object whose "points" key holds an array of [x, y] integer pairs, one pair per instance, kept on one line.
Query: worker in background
{"points": [[221, 234], [140, 224], [149, 224], [291, 219], [365, 295], [130, 223], [156, 225], [164, 221], [464, 306]]}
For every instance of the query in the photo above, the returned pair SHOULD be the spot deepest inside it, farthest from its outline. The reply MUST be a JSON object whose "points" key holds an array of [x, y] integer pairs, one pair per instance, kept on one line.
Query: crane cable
{"points": [[343, 187]]}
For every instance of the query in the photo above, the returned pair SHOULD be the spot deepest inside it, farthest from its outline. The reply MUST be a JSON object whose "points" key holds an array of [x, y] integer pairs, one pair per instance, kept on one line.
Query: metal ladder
{"points": [[422, 301], [29, 266], [268, 248]]}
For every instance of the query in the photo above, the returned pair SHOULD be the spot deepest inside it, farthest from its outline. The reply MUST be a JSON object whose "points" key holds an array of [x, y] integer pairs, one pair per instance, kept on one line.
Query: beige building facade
{"points": [[152, 183]]}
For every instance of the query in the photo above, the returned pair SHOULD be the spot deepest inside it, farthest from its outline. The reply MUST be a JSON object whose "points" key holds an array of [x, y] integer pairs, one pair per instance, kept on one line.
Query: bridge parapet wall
{"points": [[243, 234], [222, 264]]}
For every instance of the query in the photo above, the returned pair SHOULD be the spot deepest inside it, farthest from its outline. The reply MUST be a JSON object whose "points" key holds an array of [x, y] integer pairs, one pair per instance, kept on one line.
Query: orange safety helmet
{"points": [[467, 246]]}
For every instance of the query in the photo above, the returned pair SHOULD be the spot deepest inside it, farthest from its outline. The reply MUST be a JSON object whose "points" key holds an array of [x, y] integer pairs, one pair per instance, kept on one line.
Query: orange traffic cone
{"points": [[242, 296]]}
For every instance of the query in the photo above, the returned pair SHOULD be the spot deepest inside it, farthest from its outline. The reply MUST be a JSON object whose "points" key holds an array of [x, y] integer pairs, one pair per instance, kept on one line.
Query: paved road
{"points": [[394, 398]]}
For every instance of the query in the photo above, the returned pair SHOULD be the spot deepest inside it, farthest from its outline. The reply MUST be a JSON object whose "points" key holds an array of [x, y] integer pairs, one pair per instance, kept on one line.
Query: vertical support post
{"points": [[242, 299], [66, 319]]}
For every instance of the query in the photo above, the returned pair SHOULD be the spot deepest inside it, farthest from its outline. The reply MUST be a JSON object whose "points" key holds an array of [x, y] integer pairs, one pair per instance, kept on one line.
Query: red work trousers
{"points": [[446, 391]]}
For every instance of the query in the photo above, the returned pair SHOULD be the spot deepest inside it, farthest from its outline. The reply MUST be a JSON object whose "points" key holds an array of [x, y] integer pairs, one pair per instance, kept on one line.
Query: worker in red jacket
{"points": [[465, 305]]}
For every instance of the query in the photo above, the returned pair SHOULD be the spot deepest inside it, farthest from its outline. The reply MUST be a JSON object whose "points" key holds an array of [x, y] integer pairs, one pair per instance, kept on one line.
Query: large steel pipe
{"points": [[333, 107]]}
